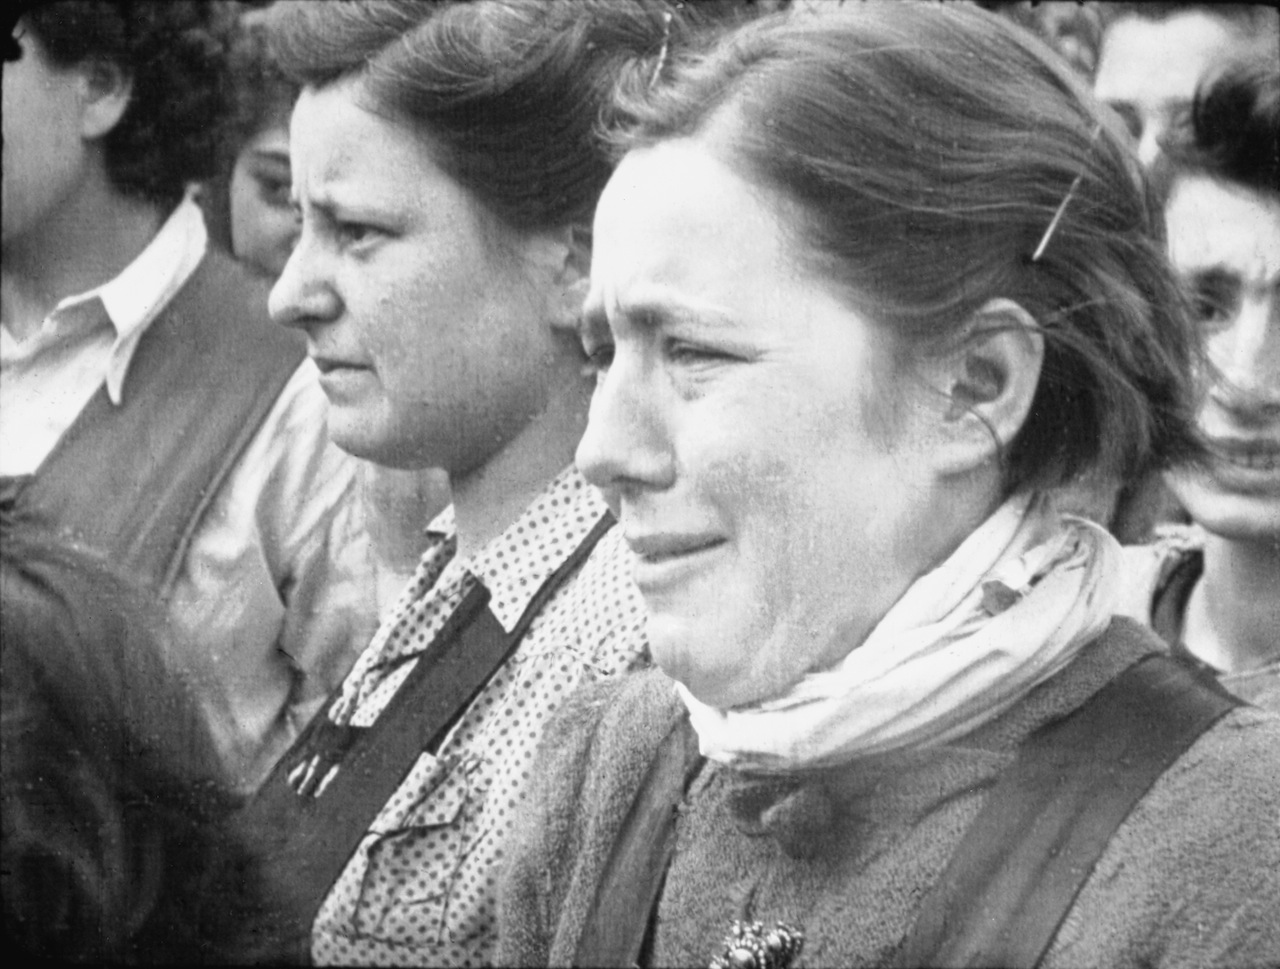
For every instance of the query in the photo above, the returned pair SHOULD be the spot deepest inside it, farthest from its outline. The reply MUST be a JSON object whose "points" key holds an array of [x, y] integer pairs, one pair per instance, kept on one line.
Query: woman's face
{"points": [[427, 332], [748, 430], [1224, 241], [264, 224]]}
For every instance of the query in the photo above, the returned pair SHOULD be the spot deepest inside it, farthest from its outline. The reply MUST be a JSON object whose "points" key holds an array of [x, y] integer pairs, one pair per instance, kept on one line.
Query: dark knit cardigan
{"points": [[1191, 878]]}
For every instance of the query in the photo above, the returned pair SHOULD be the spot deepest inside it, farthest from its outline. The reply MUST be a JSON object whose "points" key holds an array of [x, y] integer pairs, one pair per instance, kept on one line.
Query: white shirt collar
{"points": [[135, 298]]}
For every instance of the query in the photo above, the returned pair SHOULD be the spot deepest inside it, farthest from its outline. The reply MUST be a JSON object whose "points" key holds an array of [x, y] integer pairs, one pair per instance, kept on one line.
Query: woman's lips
{"points": [[327, 365], [667, 559], [343, 383]]}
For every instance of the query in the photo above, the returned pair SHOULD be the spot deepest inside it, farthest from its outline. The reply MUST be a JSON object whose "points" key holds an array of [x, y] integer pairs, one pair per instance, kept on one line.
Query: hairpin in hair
{"points": [[666, 46], [1062, 206]]}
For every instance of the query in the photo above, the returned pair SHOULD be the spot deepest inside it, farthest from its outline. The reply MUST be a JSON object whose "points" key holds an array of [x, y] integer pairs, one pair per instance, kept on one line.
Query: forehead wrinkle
{"points": [[1212, 224], [342, 149], [651, 303], [339, 182]]}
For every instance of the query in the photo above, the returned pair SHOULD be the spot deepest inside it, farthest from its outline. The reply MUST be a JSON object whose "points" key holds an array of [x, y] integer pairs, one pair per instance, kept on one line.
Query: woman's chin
{"points": [[721, 688], [686, 662], [713, 661]]}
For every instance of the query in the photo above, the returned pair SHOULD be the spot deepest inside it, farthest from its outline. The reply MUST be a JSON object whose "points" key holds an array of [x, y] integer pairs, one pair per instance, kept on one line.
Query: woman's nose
{"points": [[626, 445], [304, 295]]}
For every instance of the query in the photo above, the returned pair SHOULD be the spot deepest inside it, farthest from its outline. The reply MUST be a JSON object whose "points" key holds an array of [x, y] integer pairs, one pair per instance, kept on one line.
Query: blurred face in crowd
{"points": [[1224, 241], [742, 431], [264, 223], [418, 307], [44, 155], [1148, 70]]}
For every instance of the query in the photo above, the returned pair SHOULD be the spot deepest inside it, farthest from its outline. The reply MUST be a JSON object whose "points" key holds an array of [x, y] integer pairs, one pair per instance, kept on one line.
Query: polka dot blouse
{"points": [[421, 887]]}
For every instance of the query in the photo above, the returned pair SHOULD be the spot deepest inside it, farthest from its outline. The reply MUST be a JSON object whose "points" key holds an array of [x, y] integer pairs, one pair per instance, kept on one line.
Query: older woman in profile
{"points": [[867, 287]]}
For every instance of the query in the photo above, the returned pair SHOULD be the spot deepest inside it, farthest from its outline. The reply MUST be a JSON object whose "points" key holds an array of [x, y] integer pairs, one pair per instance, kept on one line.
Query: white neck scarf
{"points": [[1009, 609]]}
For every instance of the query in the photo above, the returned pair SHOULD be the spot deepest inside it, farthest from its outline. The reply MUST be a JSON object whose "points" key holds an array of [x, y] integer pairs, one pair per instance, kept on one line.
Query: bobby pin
{"points": [[1062, 206], [662, 52]]}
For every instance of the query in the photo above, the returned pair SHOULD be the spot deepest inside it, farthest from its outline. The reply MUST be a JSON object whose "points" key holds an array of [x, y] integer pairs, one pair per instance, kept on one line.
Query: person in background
{"points": [[1071, 27], [148, 409], [847, 353], [1152, 57], [1212, 589], [247, 202], [110, 785], [445, 162], [1154, 54]]}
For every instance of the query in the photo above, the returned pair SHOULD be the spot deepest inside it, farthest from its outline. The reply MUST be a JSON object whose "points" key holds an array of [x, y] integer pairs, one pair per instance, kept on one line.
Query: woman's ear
{"points": [[990, 382], [105, 90]]}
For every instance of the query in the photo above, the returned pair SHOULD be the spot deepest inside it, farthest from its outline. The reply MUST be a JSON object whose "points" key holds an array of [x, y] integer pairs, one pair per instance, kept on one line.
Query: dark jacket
{"points": [[1191, 878]]}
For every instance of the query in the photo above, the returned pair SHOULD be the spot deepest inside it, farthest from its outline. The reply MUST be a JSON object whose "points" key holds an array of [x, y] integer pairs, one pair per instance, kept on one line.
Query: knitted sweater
{"points": [[1191, 878]]}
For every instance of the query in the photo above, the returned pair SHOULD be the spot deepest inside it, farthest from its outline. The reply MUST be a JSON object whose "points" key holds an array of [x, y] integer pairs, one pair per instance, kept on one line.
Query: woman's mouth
{"points": [[327, 365], [342, 382], [665, 559], [1249, 455]]}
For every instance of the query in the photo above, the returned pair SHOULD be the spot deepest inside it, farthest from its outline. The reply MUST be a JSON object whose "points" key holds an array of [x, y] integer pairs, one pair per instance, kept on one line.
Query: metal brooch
{"points": [[750, 946]]}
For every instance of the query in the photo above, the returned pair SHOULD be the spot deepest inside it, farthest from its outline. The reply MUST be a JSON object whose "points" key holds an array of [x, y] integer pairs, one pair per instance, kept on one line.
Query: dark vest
{"points": [[133, 482]]}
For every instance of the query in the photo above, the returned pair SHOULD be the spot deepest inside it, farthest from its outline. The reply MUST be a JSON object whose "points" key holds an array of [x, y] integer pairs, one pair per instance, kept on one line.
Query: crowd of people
{"points": [[750, 483]]}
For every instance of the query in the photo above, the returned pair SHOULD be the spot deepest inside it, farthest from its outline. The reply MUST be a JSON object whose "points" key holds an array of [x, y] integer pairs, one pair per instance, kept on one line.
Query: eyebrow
{"points": [[269, 162], [653, 312], [1222, 277], [336, 209], [270, 154], [1216, 274]]}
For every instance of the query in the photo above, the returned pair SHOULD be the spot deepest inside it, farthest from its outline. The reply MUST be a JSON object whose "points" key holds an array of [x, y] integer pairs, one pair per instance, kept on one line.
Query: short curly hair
{"points": [[176, 54]]}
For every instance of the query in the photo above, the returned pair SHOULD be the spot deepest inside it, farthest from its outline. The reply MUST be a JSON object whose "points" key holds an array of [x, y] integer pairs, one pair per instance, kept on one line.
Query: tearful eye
{"points": [[678, 351], [353, 233]]}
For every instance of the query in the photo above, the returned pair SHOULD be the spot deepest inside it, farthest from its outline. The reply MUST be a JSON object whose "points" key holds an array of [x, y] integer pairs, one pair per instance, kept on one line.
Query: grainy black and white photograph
{"points": [[754, 484]]}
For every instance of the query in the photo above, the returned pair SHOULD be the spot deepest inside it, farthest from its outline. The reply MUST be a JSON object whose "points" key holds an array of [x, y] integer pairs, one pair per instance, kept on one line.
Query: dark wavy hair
{"points": [[508, 91], [176, 54], [926, 150], [112, 794], [1235, 127]]}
